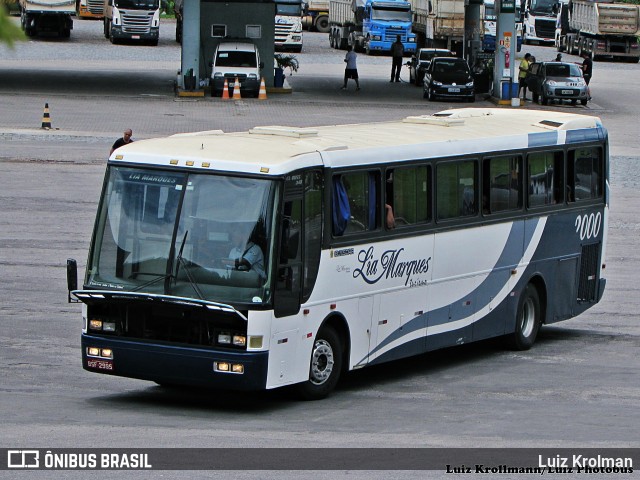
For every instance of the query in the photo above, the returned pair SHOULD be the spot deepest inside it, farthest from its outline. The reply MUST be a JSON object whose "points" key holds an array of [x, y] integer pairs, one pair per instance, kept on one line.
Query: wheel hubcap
{"points": [[528, 318], [321, 362]]}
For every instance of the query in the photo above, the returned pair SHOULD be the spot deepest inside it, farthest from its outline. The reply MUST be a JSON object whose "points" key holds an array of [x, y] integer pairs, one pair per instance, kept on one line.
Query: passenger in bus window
{"points": [[389, 216]]}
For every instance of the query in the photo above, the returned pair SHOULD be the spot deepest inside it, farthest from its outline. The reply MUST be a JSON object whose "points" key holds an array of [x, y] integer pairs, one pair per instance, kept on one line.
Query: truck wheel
{"points": [[584, 102], [322, 24], [544, 100], [528, 320], [325, 366], [332, 42]]}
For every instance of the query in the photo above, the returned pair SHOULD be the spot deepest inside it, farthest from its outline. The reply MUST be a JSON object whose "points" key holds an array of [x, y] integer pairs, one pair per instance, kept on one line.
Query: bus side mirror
{"points": [[72, 278]]}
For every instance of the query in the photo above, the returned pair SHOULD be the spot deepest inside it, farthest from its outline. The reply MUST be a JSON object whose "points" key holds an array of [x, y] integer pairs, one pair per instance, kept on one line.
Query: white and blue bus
{"points": [[282, 256]]}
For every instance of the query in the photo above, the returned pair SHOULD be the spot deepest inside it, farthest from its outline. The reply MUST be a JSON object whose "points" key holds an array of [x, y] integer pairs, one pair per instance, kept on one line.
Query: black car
{"points": [[549, 81], [448, 78], [420, 61]]}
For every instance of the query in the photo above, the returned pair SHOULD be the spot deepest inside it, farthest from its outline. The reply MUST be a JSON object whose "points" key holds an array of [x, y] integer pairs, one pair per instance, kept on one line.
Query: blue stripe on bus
{"points": [[584, 135], [543, 139], [490, 286]]}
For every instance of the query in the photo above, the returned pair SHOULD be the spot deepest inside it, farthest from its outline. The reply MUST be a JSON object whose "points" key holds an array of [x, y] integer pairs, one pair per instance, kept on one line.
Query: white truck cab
{"points": [[239, 60]]}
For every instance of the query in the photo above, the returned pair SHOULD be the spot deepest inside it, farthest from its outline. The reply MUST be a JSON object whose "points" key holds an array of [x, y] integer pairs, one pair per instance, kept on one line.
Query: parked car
{"points": [[448, 77], [239, 60], [557, 81], [420, 61]]}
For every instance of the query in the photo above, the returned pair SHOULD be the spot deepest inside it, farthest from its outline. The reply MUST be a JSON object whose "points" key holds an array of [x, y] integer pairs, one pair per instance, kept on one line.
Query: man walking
{"points": [[351, 69], [397, 52], [126, 138]]}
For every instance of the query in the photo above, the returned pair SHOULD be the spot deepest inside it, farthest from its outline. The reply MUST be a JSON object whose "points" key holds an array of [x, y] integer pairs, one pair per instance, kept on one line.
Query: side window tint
{"points": [[456, 185], [502, 184], [355, 202], [585, 174], [545, 179], [409, 195]]}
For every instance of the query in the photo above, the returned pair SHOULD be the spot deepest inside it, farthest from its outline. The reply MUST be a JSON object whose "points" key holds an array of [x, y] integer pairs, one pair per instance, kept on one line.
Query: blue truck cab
{"points": [[383, 21]]}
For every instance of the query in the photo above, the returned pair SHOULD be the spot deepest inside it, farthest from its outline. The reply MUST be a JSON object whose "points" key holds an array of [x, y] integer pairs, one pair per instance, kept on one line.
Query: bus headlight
{"points": [[239, 340], [227, 367], [224, 338], [95, 324]]}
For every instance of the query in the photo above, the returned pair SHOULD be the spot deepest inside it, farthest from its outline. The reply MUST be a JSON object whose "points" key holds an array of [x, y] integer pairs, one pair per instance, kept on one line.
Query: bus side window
{"points": [[456, 189], [545, 178], [409, 195], [502, 184], [585, 173], [355, 202]]}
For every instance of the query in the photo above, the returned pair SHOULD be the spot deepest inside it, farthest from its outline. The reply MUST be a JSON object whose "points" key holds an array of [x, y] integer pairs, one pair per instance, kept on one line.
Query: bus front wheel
{"points": [[528, 320], [325, 367]]}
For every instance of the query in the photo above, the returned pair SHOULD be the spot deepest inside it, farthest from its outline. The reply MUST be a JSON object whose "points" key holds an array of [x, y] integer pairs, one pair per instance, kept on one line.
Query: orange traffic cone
{"points": [[46, 119], [225, 90], [262, 95], [236, 90]]}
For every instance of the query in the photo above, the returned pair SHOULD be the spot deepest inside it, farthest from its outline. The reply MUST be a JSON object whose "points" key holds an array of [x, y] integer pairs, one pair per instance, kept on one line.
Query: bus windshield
{"points": [[184, 234]]}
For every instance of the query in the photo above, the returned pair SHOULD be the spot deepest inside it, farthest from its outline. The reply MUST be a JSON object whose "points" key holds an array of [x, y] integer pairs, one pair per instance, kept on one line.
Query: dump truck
{"points": [[371, 26], [439, 24], [47, 16], [600, 28], [316, 15]]}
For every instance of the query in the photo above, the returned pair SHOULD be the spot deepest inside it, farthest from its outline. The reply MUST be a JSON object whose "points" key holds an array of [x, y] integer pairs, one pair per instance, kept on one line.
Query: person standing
{"points": [[397, 52], [522, 75], [351, 69], [126, 139], [587, 67]]}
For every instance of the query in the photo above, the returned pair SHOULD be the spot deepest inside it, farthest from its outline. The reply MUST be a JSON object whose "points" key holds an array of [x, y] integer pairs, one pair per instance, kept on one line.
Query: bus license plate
{"points": [[100, 364], [567, 92], [454, 90]]}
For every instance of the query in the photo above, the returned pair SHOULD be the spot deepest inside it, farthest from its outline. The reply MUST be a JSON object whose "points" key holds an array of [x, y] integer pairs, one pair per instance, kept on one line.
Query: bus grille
{"points": [[588, 279], [133, 23], [95, 6]]}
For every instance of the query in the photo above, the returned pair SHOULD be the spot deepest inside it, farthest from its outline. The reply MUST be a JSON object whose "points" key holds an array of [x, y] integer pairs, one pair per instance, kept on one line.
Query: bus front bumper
{"points": [[175, 365]]}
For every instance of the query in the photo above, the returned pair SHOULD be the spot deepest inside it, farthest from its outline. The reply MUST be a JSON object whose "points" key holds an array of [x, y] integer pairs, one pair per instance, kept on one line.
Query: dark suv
{"points": [[448, 78], [561, 81]]}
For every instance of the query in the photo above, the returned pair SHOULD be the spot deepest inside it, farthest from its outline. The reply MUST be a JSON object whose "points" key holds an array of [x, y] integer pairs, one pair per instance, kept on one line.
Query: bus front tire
{"points": [[325, 366], [528, 320]]}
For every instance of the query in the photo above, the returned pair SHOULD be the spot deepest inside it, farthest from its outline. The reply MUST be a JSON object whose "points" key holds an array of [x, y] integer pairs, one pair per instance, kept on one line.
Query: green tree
{"points": [[9, 31]]}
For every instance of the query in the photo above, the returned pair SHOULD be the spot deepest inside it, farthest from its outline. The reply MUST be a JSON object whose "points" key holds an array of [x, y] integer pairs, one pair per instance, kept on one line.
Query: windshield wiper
{"points": [[159, 278], [181, 261]]}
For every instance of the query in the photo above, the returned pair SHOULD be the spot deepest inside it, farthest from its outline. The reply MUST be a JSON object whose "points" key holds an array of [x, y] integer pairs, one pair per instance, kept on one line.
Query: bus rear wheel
{"points": [[528, 320], [325, 367]]}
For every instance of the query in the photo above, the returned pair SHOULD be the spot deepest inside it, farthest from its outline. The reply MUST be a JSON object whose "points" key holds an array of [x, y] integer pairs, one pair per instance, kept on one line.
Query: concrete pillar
{"points": [[191, 38]]}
